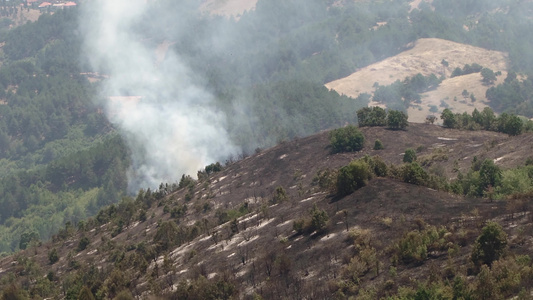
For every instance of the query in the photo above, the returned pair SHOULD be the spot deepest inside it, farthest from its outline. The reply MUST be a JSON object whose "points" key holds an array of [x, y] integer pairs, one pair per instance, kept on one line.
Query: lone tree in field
{"points": [[397, 120]]}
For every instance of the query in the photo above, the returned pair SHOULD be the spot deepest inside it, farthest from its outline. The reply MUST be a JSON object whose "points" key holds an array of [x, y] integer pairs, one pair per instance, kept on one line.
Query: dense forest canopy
{"points": [[264, 74]]}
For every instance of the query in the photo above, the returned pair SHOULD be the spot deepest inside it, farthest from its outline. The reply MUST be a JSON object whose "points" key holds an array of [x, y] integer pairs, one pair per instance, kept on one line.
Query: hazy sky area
{"points": [[167, 119]]}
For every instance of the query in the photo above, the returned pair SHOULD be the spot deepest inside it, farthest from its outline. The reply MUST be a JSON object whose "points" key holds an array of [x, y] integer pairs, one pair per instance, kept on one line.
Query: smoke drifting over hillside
{"points": [[162, 111]]}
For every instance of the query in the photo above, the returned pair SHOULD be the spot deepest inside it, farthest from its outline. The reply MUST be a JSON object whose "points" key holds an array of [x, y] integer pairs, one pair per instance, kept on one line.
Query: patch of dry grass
{"points": [[425, 57]]}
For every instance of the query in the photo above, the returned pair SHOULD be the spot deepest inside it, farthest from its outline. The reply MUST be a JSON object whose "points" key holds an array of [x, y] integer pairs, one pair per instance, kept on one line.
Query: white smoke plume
{"points": [[156, 102]]}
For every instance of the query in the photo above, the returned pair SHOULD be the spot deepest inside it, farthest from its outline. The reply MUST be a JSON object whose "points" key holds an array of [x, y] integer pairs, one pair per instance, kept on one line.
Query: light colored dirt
{"points": [[414, 4], [25, 15], [425, 58], [230, 8]]}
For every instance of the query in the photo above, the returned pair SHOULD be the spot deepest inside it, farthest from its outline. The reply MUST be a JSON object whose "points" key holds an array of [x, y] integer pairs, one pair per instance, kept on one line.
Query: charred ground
{"points": [[232, 233]]}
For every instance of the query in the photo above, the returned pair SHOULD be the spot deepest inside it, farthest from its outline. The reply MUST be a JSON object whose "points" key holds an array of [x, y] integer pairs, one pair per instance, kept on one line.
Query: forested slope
{"points": [[57, 150]]}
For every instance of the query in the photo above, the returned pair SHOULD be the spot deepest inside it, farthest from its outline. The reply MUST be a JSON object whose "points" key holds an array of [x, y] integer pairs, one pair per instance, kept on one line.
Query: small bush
{"points": [[347, 139], [377, 165], [85, 294], [431, 118], [178, 212], [371, 116], [168, 234], [353, 177], [319, 219], [397, 120], [84, 242], [299, 226], [378, 145], [280, 195], [325, 179], [414, 174], [213, 168], [142, 215], [360, 238], [53, 257], [415, 245], [186, 181], [409, 156]]}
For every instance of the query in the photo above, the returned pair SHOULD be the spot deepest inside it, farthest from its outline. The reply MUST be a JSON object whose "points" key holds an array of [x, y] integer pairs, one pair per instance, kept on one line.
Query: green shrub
{"points": [[26, 238], [409, 156], [490, 244], [142, 215], [83, 243], [53, 257], [178, 211], [378, 145], [186, 181], [353, 177], [319, 219], [397, 120], [213, 168], [13, 292], [377, 165], [299, 226], [371, 116], [346, 139], [490, 175], [325, 179], [413, 173], [415, 245], [85, 294], [168, 234], [280, 195], [448, 118]]}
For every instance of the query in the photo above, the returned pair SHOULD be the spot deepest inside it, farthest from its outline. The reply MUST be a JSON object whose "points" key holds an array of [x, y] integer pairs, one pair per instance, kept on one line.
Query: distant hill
{"points": [[425, 57]]}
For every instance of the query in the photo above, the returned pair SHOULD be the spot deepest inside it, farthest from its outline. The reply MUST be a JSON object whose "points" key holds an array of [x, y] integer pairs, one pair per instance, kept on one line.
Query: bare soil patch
{"points": [[26, 15]]}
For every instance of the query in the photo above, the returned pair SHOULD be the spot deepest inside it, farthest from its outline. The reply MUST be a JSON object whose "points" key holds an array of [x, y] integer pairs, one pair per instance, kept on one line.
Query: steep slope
{"points": [[232, 233], [426, 57]]}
